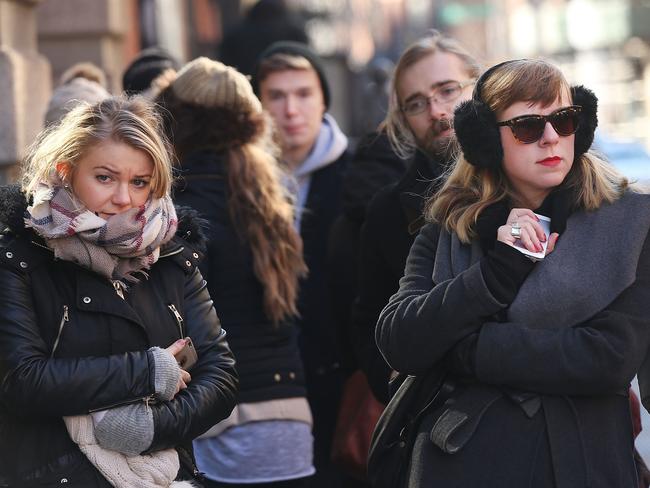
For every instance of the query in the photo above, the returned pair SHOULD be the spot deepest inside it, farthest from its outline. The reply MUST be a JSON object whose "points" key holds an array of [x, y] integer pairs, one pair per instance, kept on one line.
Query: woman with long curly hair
{"points": [[230, 175]]}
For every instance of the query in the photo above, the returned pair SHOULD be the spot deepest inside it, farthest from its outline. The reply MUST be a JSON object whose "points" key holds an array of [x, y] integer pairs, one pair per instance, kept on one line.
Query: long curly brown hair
{"points": [[259, 207]]}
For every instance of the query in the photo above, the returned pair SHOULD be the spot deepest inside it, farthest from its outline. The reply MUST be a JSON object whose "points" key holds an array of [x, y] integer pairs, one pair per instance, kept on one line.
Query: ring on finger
{"points": [[515, 230]]}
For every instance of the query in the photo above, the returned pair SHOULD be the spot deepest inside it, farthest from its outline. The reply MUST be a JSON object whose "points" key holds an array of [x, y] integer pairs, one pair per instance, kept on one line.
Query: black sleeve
{"points": [[601, 355], [377, 282], [342, 261], [423, 320], [211, 395], [504, 270], [33, 384]]}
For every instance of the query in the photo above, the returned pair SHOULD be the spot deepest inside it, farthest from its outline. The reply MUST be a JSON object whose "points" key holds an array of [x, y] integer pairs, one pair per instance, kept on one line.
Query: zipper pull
{"points": [[177, 315], [147, 399], [65, 318], [118, 289]]}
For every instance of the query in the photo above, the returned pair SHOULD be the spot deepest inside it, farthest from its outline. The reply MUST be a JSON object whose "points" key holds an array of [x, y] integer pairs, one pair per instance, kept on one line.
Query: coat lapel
{"points": [[594, 261], [98, 295]]}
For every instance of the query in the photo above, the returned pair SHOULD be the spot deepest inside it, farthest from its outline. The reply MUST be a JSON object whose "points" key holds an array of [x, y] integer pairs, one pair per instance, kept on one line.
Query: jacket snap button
{"points": [[64, 480], [292, 375], [188, 263], [9, 254], [87, 300], [23, 264], [196, 256], [277, 377]]}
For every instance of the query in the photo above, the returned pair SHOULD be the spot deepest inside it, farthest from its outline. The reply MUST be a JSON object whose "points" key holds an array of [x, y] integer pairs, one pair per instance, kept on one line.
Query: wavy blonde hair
{"points": [[397, 128], [468, 189], [132, 121]]}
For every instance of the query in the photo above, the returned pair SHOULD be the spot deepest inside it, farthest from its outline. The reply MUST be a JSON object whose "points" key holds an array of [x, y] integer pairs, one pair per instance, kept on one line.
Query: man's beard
{"points": [[435, 145]]}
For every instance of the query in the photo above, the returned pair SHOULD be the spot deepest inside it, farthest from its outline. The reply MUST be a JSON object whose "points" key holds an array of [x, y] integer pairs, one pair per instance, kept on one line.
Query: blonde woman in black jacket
{"points": [[100, 289], [537, 354]]}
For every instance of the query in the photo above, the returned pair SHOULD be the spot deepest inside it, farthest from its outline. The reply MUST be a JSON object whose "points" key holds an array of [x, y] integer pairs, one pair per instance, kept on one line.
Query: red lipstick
{"points": [[552, 161]]}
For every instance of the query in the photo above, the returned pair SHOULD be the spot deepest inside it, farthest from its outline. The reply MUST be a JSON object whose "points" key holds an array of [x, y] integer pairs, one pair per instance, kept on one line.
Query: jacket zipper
{"points": [[146, 399], [64, 318], [172, 253], [118, 289], [178, 317]]}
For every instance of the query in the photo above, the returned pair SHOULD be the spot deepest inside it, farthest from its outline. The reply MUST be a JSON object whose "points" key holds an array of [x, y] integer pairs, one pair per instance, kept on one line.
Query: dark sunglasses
{"points": [[529, 128]]}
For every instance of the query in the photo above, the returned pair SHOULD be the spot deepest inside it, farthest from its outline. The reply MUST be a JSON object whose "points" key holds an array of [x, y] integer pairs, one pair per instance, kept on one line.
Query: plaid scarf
{"points": [[117, 248]]}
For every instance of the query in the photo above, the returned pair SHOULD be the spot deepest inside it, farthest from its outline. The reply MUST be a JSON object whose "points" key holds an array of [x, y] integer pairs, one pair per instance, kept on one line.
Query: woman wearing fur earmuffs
{"points": [[536, 327]]}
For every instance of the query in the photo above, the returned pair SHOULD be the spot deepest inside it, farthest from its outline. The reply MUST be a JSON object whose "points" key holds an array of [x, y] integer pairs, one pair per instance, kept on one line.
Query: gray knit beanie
{"points": [[212, 84]]}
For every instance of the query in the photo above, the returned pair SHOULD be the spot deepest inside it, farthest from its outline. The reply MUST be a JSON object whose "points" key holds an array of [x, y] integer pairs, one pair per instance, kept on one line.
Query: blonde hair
{"points": [[212, 106], [468, 189], [397, 128], [132, 121]]}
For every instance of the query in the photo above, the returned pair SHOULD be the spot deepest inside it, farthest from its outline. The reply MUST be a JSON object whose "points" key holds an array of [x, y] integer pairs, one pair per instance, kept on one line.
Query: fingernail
{"points": [[180, 341], [544, 238]]}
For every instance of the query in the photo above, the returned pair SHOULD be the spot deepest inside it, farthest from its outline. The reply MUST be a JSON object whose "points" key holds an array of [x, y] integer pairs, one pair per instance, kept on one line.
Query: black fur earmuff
{"points": [[479, 137], [588, 118]]}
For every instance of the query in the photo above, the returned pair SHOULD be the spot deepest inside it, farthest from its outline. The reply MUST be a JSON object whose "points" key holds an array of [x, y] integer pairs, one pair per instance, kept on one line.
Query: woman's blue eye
{"points": [[103, 178]]}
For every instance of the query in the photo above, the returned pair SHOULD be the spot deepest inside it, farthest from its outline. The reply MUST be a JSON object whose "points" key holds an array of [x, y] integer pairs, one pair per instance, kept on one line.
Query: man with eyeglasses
{"points": [[432, 76]]}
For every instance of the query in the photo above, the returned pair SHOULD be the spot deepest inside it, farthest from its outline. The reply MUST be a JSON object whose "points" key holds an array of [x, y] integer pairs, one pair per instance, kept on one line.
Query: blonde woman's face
{"points": [[112, 177], [536, 168]]}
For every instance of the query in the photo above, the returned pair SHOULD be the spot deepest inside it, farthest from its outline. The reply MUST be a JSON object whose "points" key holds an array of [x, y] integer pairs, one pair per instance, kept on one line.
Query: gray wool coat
{"points": [[547, 404]]}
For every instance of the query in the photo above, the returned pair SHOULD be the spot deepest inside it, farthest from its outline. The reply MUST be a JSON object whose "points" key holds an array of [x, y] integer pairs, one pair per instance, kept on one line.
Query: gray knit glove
{"points": [[127, 429], [166, 373]]}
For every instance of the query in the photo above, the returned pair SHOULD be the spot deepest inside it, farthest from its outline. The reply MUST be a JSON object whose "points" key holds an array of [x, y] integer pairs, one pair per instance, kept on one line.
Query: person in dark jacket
{"points": [[148, 65], [252, 265], [537, 327], [266, 22], [432, 76], [374, 166], [293, 88], [100, 291]]}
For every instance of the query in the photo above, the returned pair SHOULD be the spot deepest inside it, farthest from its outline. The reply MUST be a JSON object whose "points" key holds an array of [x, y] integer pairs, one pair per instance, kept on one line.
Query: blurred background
{"points": [[604, 44]]}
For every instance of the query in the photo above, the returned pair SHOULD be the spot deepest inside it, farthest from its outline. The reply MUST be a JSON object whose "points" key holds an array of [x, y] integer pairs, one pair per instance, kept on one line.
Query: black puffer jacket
{"points": [[101, 358]]}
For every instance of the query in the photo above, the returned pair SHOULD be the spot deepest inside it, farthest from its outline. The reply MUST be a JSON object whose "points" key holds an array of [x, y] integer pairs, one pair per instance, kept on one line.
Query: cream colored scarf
{"points": [[155, 470]]}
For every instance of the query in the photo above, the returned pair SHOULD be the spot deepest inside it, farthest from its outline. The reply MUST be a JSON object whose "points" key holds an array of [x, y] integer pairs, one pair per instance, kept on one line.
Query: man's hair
{"points": [[397, 129], [290, 55], [281, 62]]}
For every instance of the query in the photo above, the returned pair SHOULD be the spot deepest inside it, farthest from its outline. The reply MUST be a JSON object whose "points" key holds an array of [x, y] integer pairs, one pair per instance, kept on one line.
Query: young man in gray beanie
{"points": [[293, 88]]}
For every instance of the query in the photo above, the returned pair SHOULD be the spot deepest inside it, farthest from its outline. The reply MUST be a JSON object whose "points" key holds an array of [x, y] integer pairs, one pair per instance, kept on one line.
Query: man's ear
{"points": [[63, 170]]}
